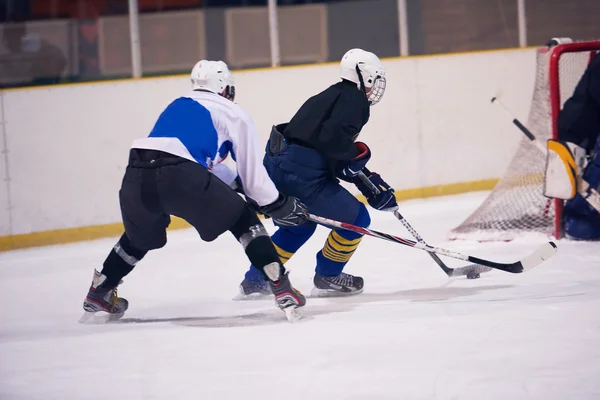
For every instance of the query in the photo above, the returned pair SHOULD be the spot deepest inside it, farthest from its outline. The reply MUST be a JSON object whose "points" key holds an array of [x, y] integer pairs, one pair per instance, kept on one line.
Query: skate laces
{"points": [[342, 279], [113, 298], [114, 301], [115, 295]]}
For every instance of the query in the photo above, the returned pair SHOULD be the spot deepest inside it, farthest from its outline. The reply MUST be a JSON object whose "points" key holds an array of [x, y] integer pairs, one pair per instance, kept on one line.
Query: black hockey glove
{"points": [[350, 169], [286, 211], [385, 200]]}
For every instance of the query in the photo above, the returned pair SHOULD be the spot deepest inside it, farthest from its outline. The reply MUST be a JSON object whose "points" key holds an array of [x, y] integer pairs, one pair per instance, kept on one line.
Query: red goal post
{"points": [[516, 205]]}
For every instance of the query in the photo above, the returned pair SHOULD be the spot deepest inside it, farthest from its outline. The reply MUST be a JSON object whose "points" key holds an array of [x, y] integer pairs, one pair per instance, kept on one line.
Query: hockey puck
{"points": [[473, 275]]}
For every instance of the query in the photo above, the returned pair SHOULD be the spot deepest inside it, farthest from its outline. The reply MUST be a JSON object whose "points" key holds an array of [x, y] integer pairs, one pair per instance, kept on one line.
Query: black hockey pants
{"points": [[157, 184]]}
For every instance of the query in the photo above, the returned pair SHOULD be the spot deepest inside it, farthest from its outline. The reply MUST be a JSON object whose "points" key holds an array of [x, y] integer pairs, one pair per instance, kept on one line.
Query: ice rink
{"points": [[413, 333]]}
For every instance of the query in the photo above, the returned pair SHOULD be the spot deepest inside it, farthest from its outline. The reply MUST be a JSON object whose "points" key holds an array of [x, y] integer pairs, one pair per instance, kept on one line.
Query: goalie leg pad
{"points": [[564, 163], [581, 220], [579, 225]]}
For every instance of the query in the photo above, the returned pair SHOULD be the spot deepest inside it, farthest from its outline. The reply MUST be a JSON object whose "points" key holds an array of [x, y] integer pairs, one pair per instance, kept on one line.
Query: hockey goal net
{"points": [[516, 204]]}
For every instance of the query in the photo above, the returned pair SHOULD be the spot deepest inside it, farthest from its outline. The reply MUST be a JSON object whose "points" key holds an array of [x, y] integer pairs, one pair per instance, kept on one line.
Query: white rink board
{"points": [[4, 204], [392, 132], [67, 161], [435, 125], [463, 136]]}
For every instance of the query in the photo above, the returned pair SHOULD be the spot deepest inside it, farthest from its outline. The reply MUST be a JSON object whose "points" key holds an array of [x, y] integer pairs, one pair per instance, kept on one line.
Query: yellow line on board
{"points": [[446, 190], [70, 235]]}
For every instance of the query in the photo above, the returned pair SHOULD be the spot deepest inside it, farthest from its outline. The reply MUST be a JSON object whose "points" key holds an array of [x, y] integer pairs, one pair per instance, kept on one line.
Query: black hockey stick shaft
{"points": [[533, 260], [519, 125], [451, 272], [407, 225]]}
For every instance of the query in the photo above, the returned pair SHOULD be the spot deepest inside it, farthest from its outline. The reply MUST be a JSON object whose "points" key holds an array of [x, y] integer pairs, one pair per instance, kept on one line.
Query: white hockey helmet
{"points": [[213, 76], [366, 70], [559, 40]]}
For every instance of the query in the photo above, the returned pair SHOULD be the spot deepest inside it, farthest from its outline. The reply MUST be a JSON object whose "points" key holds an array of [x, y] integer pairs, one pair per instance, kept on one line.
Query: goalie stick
{"points": [[543, 253], [469, 270], [590, 194]]}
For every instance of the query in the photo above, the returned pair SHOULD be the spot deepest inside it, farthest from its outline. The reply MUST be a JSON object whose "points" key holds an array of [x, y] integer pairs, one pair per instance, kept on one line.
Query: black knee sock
{"points": [[120, 261], [255, 239]]}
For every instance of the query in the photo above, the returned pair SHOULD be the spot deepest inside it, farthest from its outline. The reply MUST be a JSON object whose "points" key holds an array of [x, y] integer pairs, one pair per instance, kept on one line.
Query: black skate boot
{"points": [[253, 290], [287, 297], [335, 286], [102, 303]]}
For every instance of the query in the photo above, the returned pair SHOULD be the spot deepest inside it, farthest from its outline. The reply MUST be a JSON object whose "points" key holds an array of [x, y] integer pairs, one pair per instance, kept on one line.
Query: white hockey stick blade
{"points": [[539, 256]]}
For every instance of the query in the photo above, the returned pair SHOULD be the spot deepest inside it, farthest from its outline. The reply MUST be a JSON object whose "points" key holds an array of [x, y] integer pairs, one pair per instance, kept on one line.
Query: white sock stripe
{"points": [[126, 257], [254, 232], [272, 271]]}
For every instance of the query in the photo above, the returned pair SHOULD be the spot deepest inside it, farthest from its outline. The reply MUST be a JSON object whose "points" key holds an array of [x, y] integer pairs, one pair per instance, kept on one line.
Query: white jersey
{"points": [[204, 127]]}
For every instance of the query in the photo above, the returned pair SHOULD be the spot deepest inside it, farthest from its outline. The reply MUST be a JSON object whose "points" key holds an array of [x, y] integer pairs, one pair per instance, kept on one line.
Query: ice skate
{"points": [[101, 303], [253, 290], [288, 298], [336, 286]]}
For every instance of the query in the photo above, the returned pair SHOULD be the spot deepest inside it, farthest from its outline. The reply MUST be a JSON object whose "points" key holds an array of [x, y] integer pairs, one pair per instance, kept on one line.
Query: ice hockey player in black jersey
{"points": [[176, 170], [306, 158], [576, 155]]}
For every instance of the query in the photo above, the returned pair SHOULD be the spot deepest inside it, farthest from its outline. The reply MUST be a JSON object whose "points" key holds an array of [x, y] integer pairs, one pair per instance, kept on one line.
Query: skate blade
{"points": [[316, 292], [293, 314], [251, 297], [99, 317]]}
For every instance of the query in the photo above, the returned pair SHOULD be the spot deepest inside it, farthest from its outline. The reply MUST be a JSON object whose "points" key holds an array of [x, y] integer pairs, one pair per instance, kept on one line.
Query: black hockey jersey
{"points": [[330, 121], [579, 120]]}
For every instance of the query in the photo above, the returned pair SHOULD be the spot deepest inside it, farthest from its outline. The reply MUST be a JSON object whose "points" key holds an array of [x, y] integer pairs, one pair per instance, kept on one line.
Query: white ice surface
{"points": [[412, 334]]}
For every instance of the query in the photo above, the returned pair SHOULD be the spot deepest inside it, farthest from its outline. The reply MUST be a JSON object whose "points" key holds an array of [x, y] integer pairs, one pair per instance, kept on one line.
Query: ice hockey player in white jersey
{"points": [[169, 173]]}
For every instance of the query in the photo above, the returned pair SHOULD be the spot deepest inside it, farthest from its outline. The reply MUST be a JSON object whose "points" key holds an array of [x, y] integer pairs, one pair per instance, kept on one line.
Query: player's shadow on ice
{"points": [[432, 294], [322, 306], [227, 321]]}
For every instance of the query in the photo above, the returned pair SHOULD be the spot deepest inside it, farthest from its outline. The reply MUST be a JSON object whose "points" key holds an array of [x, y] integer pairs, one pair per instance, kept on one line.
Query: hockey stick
{"points": [[543, 253], [471, 271], [590, 194]]}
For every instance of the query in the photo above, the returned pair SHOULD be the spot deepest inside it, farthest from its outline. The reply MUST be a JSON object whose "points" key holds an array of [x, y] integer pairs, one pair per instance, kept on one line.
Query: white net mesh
{"points": [[516, 205]]}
